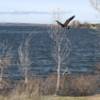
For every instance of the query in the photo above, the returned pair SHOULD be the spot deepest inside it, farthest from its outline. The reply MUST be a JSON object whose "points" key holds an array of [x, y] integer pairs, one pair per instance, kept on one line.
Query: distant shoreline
{"points": [[23, 24], [80, 25]]}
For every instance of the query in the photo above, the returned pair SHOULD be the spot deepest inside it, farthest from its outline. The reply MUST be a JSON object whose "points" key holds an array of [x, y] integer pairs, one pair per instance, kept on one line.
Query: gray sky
{"points": [[11, 10]]}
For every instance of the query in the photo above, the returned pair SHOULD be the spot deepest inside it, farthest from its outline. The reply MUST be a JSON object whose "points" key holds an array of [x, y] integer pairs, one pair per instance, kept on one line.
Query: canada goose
{"points": [[66, 22]]}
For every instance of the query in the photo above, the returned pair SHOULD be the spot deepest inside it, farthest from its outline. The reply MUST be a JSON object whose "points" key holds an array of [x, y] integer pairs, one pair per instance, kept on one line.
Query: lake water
{"points": [[84, 55]]}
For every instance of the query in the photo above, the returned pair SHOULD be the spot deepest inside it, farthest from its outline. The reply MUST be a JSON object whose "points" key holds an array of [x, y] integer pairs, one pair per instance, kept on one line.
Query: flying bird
{"points": [[66, 22]]}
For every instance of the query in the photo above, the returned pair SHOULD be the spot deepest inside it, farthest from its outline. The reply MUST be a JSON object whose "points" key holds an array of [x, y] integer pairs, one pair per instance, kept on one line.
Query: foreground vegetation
{"points": [[72, 98], [23, 97], [71, 88]]}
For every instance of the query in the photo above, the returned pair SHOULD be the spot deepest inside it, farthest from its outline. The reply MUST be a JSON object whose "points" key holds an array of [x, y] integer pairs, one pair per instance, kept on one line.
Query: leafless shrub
{"points": [[70, 85], [97, 69], [48, 86], [5, 87], [75, 24], [27, 91], [5, 57], [81, 85]]}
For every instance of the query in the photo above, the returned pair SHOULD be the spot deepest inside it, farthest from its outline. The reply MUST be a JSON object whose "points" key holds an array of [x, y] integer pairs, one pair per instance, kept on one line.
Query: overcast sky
{"points": [[81, 8]]}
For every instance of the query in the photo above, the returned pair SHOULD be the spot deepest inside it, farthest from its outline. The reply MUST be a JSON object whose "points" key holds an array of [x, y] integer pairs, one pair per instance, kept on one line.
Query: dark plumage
{"points": [[66, 22]]}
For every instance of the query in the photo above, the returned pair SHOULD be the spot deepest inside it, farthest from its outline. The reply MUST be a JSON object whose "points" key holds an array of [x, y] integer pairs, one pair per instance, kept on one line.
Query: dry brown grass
{"points": [[26, 91], [40, 88], [82, 85]]}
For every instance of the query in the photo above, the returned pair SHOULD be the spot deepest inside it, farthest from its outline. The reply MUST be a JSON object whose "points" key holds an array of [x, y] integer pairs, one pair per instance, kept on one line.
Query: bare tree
{"points": [[75, 24], [96, 4], [61, 50], [24, 56], [5, 57]]}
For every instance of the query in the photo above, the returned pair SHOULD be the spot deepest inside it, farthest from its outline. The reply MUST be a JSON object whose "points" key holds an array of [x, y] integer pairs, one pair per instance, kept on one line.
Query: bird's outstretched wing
{"points": [[68, 20], [59, 23]]}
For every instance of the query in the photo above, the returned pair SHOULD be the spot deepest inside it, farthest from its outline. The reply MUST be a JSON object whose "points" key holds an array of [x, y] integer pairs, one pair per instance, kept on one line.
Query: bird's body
{"points": [[66, 22]]}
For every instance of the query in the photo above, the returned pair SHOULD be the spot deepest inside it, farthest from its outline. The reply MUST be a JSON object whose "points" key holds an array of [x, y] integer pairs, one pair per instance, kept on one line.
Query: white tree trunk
{"points": [[26, 75], [58, 70], [61, 52]]}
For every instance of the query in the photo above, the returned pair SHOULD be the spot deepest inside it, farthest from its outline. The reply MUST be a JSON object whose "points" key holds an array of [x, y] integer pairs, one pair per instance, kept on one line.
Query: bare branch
{"points": [[61, 50], [5, 57], [24, 56]]}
